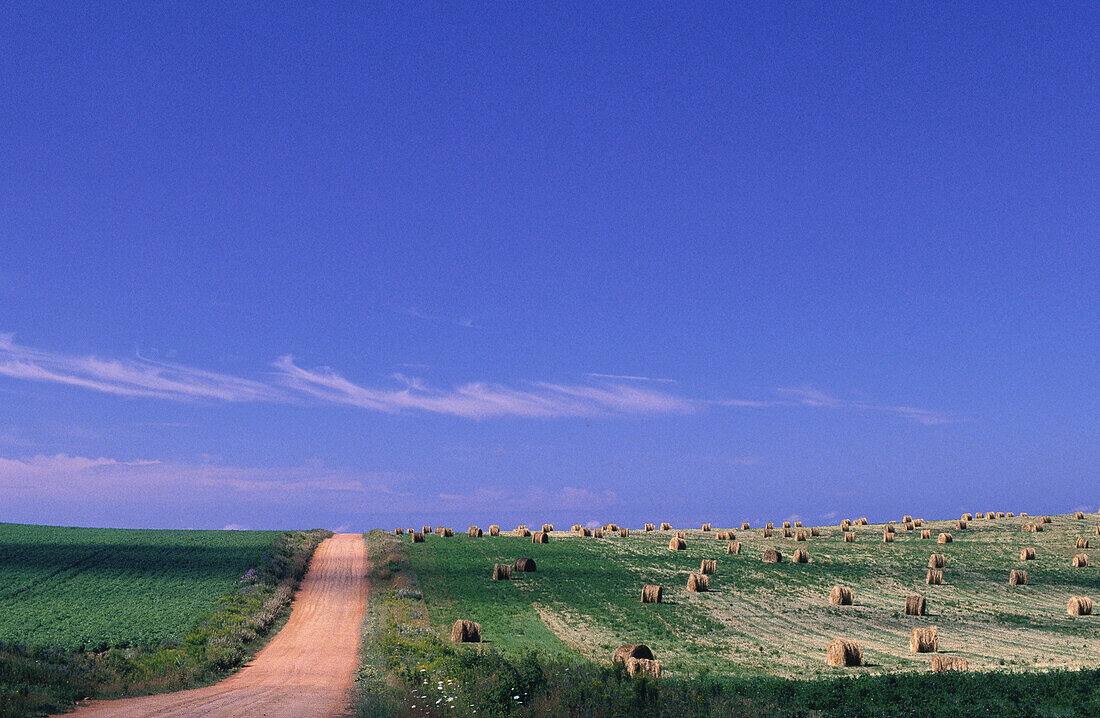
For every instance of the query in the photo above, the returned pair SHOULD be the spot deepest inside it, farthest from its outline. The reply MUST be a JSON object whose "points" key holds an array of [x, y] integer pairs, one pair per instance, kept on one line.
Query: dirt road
{"points": [[308, 667]]}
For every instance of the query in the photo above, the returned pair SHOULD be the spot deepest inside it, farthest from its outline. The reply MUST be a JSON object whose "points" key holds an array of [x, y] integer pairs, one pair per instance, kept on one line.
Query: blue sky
{"points": [[275, 265]]}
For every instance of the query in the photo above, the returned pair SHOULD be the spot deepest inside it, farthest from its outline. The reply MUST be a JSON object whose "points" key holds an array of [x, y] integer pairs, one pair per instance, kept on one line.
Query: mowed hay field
{"points": [[81, 589], [775, 619]]}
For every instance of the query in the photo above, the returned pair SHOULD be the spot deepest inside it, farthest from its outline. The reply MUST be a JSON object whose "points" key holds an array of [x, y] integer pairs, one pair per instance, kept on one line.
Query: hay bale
{"points": [[862, 521], [1098, 530], [631, 650], [788, 532], [990, 515], [575, 528], [448, 532], [1082, 543], [1081, 560], [967, 517], [936, 560], [926, 533], [698, 583], [923, 640], [786, 524], [1078, 514], [801, 556], [474, 532], [1017, 577], [944, 538], [1046, 520], [772, 556], [624, 533], [440, 530], [708, 566], [767, 533], [843, 653], [1079, 606], [598, 533], [1009, 514], [666, 527], [841, 596], [466, 632], [524, 565], [585, 531], [909, 525], [934, 577], [649, 527], [849, 537], [724, 536], [918, 522], [798, 524], [1000, 514], [681, 534], [888, 537], [845, 524], [1031, 527], [815, 531], [734, 547], [494, 530], [643, 667], [914, 605], [800, 536], [1027, 554], [706, 527], [651, 594], [677, 544], [540, 537], [502, 572], [522, 532], [547, 528], [906, 518], [889, 528], [418, 537], [745, 526], [941, 664], [960, 526], [399, 531]]}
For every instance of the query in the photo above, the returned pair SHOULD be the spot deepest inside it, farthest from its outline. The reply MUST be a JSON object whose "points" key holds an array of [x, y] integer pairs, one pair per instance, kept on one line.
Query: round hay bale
{"points": [[624, 533], [677, 544], [843, 653], [769, 525], [800, 536], [798, 524], [960, 526], [1098, 530], [906, 518], [801, 556], [845, 524], [849, 537], [448, 532], [440, 530], [585, 531], [494, 530], [649, 527], [466, 632], [547, 528], [936, 560], [666, 527], [1023, 514], [474, 532], [540, 537], [1078, 514], [399, 531], [745, 526], [418, 537], [1027, 554], [945, 538], [926, 533], [522, 532], [1079, 606], [575, 528], [863, 521], [914, 605], [698, 583], [941, 664], [918, 522], [923, 640], [706, 527], [524, 565], [841, 596], [1082, 543], [426, 530], [708, 566], [631, 650], [681, 534], [815, 531], [968, 517], [1000, 514], [889, 528], [651, 594], [502, 572], [723, 536], [643, 667], [1017, 577], [786, 524], [990, 515], [1081, 560], [771, 555], [598, 533], [888, 537], [767, 533], [1009, 514], [788, 532], [909, 525], [1046, 520], [934, 577], [734, 547]]}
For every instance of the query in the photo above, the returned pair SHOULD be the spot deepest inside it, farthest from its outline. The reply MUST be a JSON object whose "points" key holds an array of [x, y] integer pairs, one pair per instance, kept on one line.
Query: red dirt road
{"points": [[305, 671]]}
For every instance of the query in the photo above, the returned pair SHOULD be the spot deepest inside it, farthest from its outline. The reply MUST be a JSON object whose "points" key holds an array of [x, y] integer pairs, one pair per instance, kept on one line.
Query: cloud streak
{"points": [[604, 396]]}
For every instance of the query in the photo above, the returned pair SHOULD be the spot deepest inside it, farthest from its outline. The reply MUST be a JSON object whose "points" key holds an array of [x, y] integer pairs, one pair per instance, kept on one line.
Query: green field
{"points": [[92, 589], [765, 619]]}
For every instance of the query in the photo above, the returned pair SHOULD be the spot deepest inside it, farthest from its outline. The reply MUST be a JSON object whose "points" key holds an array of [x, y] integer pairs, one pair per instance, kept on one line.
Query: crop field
{"points": [[84, 589], [775, 619]]}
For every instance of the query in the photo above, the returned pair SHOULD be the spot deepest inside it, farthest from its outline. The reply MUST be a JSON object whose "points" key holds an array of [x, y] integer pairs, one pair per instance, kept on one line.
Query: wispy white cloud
{"points": [[628, 377], [811, 397]]}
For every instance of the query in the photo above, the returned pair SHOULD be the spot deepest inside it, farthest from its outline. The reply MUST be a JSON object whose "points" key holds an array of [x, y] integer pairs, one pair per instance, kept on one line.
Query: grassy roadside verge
{"points": [[39, 681], [409, 669]]}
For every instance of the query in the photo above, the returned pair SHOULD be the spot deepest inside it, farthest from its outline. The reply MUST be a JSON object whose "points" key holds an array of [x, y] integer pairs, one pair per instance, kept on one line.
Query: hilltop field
{"points": [[760, 629]]}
